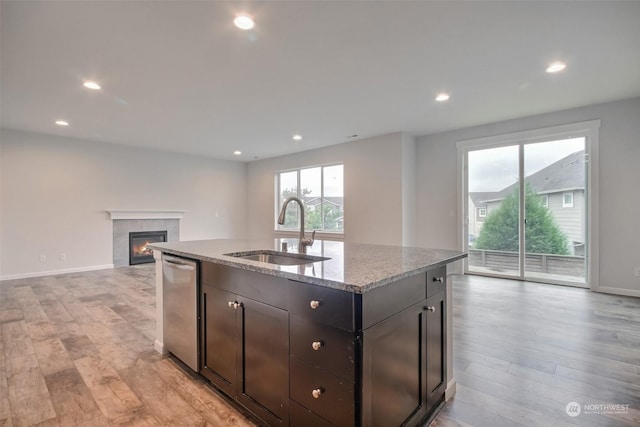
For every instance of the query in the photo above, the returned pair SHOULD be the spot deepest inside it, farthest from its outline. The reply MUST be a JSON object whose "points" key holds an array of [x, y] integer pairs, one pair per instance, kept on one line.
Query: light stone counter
{"points": [[352, 267]]}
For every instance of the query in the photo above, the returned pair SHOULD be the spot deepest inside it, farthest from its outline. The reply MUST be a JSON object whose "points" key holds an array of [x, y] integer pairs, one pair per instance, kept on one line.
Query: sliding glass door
{"points": [[494, 211], [526, 210]]}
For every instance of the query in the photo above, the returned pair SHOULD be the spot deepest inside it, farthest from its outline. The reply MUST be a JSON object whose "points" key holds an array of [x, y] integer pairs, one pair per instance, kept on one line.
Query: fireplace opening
{"points": [[139, 253]]}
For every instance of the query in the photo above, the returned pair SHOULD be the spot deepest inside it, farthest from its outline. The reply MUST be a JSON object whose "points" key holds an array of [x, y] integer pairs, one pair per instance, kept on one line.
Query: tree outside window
{"points": [[542, 234]]}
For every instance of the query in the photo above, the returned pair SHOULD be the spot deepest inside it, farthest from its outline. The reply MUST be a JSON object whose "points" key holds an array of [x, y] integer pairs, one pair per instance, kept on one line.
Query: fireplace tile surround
{"points": [[127, 221]]}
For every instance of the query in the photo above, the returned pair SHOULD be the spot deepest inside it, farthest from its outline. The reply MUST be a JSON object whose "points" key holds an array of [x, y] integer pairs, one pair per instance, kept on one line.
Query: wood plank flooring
{"points": [[77, 350], [524, 351]]}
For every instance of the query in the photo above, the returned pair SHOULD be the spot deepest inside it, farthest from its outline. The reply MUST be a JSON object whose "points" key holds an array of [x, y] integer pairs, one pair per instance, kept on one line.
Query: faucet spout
{"points": [[304, 242]]}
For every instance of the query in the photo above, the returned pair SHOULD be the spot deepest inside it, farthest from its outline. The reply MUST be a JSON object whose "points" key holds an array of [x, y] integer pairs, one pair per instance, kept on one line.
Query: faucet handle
{"points": [[308, 241]]}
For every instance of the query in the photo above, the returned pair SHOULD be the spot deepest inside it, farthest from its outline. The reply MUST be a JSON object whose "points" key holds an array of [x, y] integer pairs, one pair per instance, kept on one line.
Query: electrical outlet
{"points": [[637, 272], [43, 258], [63, 256]]}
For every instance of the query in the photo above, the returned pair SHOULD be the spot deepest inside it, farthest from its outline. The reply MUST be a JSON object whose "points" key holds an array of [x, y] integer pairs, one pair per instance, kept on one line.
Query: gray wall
{"points": [[619, 206], [54, 192]]}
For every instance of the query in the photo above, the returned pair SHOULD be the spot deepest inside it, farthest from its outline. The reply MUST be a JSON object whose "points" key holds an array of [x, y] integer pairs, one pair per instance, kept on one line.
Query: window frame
{"points": [[566, 204], [482, 212], [545, 200], [338, 234]]}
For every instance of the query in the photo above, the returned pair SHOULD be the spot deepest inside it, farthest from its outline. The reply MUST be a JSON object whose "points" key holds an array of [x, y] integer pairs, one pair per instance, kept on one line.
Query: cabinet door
{"points": [[436, 348], [263, 364], [393, 369], [219, 326]]}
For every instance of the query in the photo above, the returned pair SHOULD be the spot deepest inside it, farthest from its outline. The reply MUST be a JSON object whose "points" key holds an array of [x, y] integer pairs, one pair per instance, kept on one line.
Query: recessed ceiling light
{"points": [[237, 152], [62, 123], [556, 66], [442, 97], [91, 85], [244, 22], [297, 137]]}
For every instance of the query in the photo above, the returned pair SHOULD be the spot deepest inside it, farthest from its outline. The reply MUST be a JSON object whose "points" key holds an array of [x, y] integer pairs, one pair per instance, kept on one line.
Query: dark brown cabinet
{"points": [[219, 333], [323, 353], [245, 351], [297, 354], [393, 372], [436, 336], [436, 347]]}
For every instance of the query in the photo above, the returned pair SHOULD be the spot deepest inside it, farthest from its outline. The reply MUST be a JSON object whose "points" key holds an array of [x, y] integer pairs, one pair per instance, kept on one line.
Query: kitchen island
{"points": [[358, 338]]}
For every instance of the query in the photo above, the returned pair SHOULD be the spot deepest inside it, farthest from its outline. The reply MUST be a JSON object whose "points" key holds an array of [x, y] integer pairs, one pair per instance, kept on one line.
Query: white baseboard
{"points": [[618, 291], [450, 390], [55, 272], [159, 347]]}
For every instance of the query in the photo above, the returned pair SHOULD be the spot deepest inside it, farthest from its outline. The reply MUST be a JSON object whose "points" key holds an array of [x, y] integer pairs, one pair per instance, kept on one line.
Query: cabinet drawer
{"points": [[257, 286], [436, 281], [325, 305], [300, 416], [335, 403], [323, 346]]}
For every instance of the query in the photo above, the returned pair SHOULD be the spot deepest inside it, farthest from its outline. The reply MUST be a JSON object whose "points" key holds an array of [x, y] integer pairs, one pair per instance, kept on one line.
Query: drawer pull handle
{"points": [[431, 309], [314, 304], [234, 304], [438, 279], [316, 345], [316, 393]]}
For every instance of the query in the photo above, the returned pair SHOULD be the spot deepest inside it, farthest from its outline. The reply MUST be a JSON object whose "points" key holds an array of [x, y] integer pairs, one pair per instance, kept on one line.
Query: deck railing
{"points": [[567, 265]]}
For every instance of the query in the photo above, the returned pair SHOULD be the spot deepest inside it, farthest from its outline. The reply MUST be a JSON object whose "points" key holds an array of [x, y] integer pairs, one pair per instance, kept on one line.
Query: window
{"points": [[482, 212], [567, 200], [545, 200], [321, 191]]}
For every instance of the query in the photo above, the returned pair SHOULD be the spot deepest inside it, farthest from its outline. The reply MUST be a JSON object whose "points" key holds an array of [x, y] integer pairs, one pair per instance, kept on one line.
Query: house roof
{"points": [[338, 201], [480, 197], [564, 175]]}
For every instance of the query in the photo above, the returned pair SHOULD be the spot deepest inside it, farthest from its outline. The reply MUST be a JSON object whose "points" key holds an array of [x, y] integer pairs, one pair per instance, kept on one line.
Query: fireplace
{"points": [[139, 253]]}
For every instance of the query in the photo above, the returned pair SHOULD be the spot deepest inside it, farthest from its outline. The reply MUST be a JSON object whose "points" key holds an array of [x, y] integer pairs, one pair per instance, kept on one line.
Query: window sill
{"points": [[320, 235]]}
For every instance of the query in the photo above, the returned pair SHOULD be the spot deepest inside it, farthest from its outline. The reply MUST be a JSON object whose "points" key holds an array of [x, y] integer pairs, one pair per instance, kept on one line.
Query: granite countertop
{"points": [[353, 267]]}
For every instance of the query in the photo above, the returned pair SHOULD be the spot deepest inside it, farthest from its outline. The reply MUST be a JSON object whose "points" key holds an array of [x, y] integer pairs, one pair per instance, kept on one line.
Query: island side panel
{"points": [[158, 344], [451, 381]]}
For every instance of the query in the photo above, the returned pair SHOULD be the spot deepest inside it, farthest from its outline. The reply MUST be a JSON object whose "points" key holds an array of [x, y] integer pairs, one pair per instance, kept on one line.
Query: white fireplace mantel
{"points": [[136, 214]]}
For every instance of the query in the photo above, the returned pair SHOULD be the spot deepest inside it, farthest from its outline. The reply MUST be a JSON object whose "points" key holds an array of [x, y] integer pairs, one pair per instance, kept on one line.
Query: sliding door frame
{"points": [[590, 130]]}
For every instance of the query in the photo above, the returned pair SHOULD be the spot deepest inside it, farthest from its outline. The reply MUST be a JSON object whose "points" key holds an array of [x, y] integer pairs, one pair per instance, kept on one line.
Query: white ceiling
{"points": [[178, 76]]}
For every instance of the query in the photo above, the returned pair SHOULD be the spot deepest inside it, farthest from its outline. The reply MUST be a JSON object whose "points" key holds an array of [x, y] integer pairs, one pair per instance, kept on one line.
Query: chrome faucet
{"points": [[304, 242]]}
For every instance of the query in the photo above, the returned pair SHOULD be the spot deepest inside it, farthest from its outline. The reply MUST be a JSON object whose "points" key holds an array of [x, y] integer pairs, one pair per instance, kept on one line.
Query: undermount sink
{"points": [[278, 258]]}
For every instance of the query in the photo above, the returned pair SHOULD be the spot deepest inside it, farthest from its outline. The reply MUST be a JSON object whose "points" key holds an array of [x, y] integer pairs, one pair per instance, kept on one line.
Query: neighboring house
{"points": [[332, 206], [313, 203], [561, 187]]}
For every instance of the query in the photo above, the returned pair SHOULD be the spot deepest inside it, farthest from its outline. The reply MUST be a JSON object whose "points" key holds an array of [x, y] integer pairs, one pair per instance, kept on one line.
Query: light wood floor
{"points": [[77, 349]]}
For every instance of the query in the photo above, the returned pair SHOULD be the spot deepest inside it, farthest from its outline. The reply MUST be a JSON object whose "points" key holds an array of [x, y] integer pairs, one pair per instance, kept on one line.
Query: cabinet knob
{"points": [[438, 279], [316, 345], [230, 304], [316, 393], [234, 304], [431, 309], [314, 304]]}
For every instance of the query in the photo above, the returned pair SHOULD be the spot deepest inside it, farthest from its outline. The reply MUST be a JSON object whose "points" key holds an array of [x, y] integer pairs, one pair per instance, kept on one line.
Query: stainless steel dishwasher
{"points": [[180, 308]]}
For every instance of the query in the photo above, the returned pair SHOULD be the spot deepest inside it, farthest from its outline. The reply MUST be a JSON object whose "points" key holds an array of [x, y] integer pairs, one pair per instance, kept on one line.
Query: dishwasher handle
{"points": [[178, 263]]}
